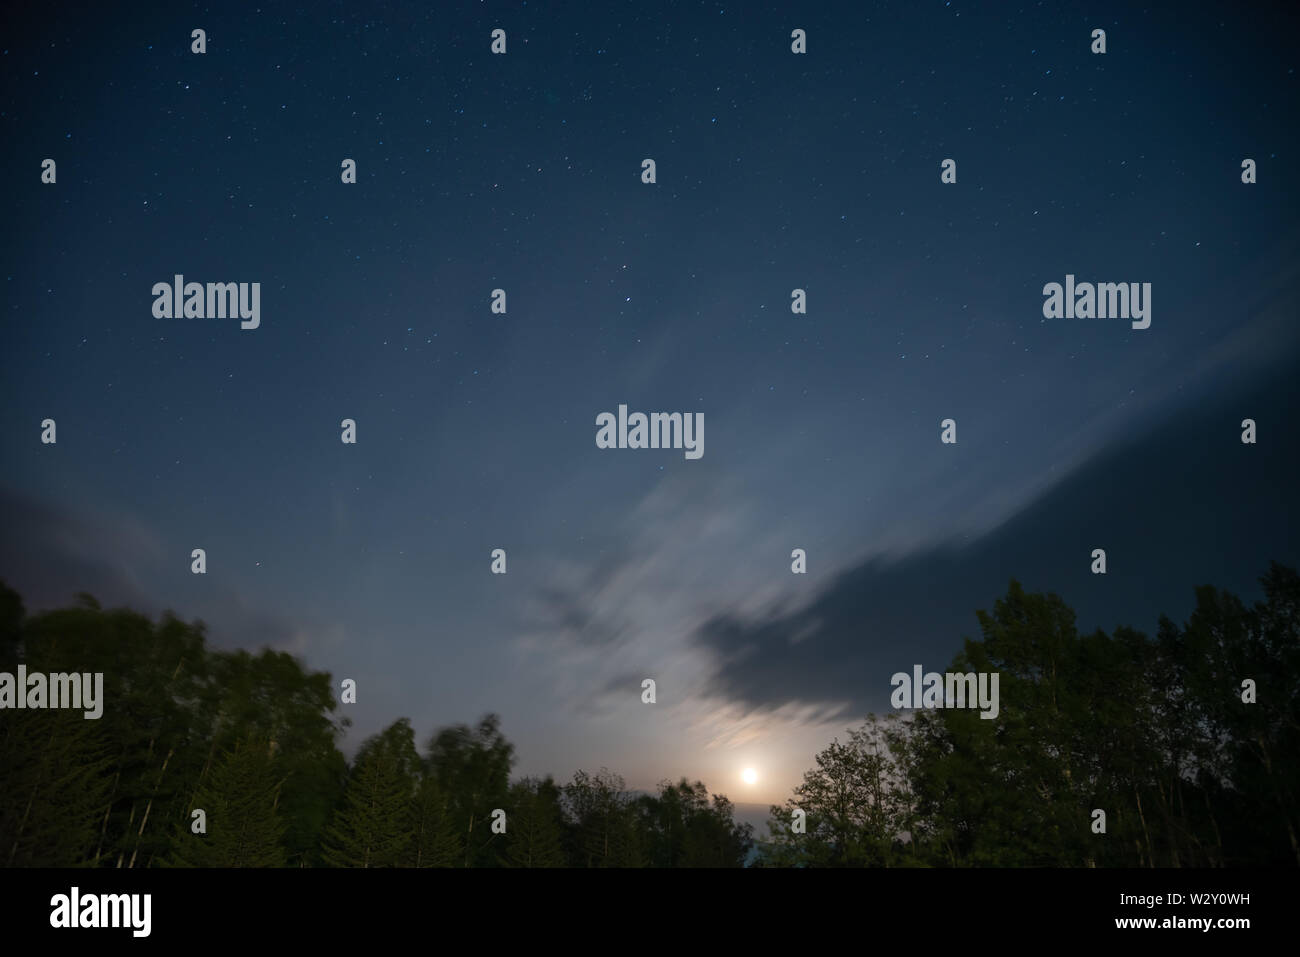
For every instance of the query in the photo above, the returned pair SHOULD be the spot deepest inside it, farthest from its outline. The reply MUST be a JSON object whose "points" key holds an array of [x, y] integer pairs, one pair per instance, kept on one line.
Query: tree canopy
{"points": [[1187, 740]]}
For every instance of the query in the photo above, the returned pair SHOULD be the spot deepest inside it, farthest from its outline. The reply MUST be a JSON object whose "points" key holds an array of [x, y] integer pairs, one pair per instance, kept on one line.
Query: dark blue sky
{"points": [[775, 171]]}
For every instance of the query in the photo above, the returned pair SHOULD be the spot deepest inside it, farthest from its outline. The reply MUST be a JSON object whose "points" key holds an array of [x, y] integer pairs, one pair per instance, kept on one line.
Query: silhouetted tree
{"points": [[240, 801], [535, 824], [376, 825], [472, 767]]}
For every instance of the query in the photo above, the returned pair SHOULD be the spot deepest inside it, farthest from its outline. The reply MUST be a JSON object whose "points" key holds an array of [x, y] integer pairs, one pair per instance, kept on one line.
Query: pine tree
{"points": [[243, 826], [436, 842], [53, 765], [375, 826], [534, 830]]}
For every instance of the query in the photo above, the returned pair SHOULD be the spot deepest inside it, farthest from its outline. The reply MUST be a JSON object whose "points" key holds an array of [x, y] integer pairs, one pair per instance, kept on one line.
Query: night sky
{"points": [[476, 430]]}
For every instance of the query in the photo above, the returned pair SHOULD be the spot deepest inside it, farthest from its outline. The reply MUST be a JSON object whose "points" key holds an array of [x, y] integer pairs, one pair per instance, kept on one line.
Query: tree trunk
{"points": [[1151, 862], [149, 806]]}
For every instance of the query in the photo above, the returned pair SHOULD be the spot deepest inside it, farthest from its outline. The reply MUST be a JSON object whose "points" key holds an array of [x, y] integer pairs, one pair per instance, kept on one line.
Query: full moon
{"points": [[749, 776]]}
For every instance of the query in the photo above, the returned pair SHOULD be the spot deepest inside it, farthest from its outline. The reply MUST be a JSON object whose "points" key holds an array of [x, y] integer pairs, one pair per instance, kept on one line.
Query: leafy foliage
{"points": [[1153, 730]]}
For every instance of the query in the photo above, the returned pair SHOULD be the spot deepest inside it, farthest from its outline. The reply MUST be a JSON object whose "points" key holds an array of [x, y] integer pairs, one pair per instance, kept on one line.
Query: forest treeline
{"points": [[1153, 731]]}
